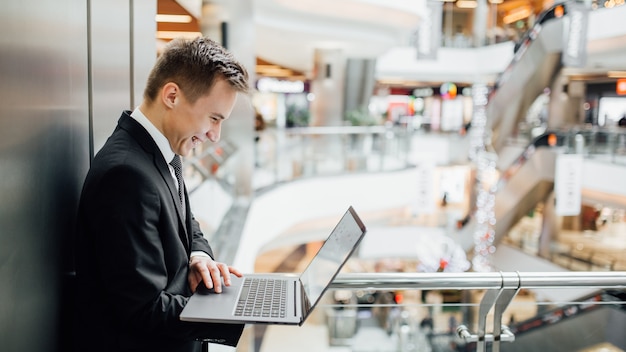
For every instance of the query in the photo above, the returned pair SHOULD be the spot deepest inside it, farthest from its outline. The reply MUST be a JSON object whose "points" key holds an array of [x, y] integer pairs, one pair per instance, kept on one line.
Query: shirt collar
{"points": [[159, 138]]}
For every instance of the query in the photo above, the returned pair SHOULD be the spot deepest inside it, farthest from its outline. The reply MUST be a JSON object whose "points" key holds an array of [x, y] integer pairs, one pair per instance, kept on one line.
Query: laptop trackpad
{"points": [[206, 302]]}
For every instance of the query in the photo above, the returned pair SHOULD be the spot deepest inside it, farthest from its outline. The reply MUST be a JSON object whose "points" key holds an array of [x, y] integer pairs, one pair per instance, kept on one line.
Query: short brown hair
{"points": [[195, 65]]}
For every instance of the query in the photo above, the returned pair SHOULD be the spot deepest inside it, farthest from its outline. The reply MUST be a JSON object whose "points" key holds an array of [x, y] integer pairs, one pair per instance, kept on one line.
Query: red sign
{"points": [[620, 87]]}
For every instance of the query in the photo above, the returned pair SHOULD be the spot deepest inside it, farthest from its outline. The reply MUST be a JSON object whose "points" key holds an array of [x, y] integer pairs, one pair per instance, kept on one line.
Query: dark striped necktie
{"points": [[177, 164]]}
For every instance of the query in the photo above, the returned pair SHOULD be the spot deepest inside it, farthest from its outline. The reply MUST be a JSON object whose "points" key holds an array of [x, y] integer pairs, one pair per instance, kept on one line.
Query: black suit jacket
{"points": [[132, 252]]}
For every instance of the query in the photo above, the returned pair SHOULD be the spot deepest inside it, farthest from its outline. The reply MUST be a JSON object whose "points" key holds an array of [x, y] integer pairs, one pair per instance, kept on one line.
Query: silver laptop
{"points": [[291, 298]]}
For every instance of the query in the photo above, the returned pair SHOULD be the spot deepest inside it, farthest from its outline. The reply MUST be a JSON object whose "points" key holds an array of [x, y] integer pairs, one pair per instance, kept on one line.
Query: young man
{"points": [[140, 253]]}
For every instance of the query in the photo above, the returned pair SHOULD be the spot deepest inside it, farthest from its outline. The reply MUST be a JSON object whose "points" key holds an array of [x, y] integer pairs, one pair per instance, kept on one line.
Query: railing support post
{"points": [[498, 299], [489, 299], [510, 288]]}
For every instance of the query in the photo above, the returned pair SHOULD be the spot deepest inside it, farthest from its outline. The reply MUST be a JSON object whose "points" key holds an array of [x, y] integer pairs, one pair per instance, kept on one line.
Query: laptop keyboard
{"points": [[262, 298]]}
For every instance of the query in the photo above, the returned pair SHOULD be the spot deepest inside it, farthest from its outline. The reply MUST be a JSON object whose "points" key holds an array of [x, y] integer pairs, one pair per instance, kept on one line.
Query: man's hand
{"points": [[204, 269]]}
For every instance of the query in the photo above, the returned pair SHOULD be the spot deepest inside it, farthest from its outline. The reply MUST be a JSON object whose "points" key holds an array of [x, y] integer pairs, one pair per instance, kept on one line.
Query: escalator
{"points": [[537, 65], [534, 67], [529, 180], [524, 185], [595, 321], [528, 173]]}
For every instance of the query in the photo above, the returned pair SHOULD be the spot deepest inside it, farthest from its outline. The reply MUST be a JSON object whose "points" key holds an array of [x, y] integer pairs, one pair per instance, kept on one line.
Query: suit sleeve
{"points": [[131, 230], [198, 242]]}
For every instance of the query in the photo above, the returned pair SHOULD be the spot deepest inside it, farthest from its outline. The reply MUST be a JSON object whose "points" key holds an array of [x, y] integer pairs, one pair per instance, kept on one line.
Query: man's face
{"points": [[189, 125]]}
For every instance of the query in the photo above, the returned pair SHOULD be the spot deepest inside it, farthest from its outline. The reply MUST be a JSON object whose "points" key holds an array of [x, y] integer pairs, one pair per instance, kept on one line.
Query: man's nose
{"points": [[214, 134]]}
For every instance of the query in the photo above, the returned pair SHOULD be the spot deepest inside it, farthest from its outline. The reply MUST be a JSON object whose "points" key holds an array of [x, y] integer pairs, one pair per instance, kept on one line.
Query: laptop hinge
{"points": [[306, 304]]}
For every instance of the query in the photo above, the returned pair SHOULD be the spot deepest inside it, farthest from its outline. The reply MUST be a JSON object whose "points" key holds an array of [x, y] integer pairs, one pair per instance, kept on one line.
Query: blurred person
{"points": [[259, 126], [140, 253], [259, 122], [427, 324], [452, 324]]}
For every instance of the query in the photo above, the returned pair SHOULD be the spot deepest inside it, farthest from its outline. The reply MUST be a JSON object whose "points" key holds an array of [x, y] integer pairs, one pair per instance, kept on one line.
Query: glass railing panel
{"points": [[288, 154], [601, 143], [448, 312], [605, 144], [443, 317]]}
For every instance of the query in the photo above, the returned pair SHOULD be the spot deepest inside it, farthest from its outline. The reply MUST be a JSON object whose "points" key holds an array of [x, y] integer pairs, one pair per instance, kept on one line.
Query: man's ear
{"points": [[170, 94]]}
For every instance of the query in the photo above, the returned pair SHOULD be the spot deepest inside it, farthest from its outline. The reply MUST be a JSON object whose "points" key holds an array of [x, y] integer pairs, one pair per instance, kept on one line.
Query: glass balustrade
{"points": [[288, 154], [499, 311], [283, 155]]}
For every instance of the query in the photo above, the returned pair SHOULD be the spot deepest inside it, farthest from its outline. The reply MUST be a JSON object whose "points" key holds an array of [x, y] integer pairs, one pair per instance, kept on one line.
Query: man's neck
{"points": [[153, 114]]}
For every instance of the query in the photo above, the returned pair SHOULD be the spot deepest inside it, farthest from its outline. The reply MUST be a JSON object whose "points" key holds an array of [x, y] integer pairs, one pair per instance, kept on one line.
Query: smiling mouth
{"points": [[195, 140]]}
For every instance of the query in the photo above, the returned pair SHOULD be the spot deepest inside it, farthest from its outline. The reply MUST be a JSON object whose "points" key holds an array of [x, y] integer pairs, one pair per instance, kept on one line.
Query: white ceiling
{"points": [[288, 32]]}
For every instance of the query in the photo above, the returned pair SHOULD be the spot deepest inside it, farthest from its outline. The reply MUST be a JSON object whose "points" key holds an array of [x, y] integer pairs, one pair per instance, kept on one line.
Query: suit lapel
{"points": [[145, 140]]}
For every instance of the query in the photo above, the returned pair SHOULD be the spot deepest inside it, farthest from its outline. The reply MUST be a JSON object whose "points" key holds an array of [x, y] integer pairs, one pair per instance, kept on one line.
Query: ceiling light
{"points": [[177, 34], [516, 14], [616, 74], [496, 1], [173, 18], [466, 4], [274, 71]]}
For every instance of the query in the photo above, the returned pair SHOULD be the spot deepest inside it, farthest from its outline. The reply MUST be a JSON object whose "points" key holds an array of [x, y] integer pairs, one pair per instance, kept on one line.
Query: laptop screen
{"points": [[332, 255]]}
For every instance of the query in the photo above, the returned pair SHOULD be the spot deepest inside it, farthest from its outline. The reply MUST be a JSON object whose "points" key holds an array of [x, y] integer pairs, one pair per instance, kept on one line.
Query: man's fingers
{"points": [[200, 273], [207, 276], [211, 273], [215, 278], [235, 271], [194, 281], [224, 271]]}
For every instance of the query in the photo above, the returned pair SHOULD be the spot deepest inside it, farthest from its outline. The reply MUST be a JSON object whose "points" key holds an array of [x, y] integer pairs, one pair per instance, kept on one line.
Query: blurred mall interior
{"points": [[477, 139]]}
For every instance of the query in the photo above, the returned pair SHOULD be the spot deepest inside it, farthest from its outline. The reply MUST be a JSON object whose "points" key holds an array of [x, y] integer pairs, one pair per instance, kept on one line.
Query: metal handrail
{"points": [[339, 130], [471, 280], [501, 288]]}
